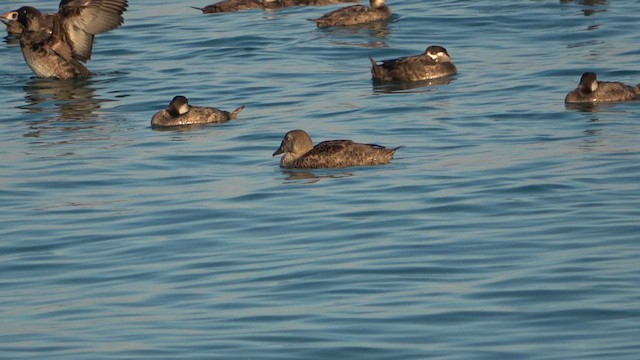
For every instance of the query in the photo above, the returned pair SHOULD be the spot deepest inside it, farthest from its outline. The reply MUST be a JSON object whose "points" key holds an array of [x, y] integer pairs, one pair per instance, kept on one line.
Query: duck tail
{"points": [[393, 150], [234, 113], [377, 71], [197, 8], [373, 62], [313, 20]]}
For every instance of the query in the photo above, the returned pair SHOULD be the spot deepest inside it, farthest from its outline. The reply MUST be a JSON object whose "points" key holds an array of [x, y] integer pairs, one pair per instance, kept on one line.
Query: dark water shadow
{"points": [[592, 107], [181, 128], [68, 100], [590, 3], [390, 87], [309, 177], [60, 101]]}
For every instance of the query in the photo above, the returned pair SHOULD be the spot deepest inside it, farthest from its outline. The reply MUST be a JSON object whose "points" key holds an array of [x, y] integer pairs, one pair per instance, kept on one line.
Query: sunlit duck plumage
{"points": [[179, 112], [299, 152], [434, 63], [355, 14], [290, 3], [231, 6], [591, 90], [56, 45]]}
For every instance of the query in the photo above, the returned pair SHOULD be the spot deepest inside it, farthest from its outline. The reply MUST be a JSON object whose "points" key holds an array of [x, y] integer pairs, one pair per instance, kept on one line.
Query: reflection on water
{"points": [[378, 30], [588, 107], [310, 177], [60, 101], [68, 100], [405, 86], [589, 11]]}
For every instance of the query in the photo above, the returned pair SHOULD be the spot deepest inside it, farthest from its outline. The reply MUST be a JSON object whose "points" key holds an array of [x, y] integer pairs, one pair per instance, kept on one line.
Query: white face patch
{"points": [[594, 86], [183, 108], [432, 56]]}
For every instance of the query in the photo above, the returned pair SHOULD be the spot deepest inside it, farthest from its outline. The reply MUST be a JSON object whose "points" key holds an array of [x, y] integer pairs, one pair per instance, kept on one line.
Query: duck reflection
{"points": [[66, 100], [310, 177], [588, 12], [588, 107], [386, 87], [379, 30]]}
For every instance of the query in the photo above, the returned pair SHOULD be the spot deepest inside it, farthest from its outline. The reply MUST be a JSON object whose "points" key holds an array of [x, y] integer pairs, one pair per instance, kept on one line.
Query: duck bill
{"points": [[8, 17], [279, 151]]}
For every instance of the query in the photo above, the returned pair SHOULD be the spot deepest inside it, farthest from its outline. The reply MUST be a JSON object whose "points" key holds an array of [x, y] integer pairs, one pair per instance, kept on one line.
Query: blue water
{"points": [[508, 227]]}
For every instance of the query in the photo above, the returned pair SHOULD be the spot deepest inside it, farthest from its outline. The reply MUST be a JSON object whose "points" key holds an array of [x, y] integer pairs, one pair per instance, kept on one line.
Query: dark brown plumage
{"points": [[299, 152], [238, 5], [355, 15], [179, 112], [55, 45], [230, 6], [591, 90], [434, 63]]}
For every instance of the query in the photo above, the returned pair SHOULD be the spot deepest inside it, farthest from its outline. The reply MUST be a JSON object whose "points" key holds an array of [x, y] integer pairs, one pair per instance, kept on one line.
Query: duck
{"points": [[590, 90], [299, 153], [292, 3], [179, 112], [231, 6], [434, 63], [355, 15], [56, 45], [237, 5]]}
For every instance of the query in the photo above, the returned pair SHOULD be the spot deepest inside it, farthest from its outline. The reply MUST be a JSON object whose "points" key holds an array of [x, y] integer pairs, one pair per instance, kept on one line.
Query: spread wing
{"points": [[83, 19]]}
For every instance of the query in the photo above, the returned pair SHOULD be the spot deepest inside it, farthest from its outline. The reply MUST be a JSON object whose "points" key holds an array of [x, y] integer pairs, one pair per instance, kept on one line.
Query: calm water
{"points": [[507, 228]]}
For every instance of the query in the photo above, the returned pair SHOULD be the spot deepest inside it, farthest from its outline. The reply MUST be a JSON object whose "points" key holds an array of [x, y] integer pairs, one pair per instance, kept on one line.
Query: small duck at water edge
{"points": [[590, 90], [434, 63], [299, 153], [355, 15], [179, 112], [55, 45]]}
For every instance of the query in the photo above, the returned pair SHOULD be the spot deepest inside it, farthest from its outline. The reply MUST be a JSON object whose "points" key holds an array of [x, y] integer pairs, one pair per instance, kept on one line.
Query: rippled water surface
{"points": [[508, 227]]}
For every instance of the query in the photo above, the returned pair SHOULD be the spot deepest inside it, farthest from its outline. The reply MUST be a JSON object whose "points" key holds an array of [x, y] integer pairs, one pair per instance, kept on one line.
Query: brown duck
{"points": [[230, 6], [299, 152], [434, 63], [56, 45], [355, 15], [179, 112], [591, 90], [237, 5]]}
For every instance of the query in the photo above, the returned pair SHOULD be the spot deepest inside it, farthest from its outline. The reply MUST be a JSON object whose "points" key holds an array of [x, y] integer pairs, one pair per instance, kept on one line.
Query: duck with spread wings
{"points": [[55, 45]]}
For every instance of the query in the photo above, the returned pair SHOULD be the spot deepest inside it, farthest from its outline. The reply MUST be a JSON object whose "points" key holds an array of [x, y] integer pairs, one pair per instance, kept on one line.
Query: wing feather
{"points": [[83, 19]]}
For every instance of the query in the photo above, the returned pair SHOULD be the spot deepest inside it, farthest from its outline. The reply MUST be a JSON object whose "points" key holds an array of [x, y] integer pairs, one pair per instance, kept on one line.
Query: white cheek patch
{"points": [[433, 56], [594, 86], [183, 109]]}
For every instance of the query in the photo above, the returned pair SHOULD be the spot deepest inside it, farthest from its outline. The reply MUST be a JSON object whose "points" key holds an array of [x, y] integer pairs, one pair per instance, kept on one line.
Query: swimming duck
{"points": [[591, 90], [179, 112], [291, 3], [355, 14], [231, 6], [56, 45], [299, 152], [435, 62]]}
